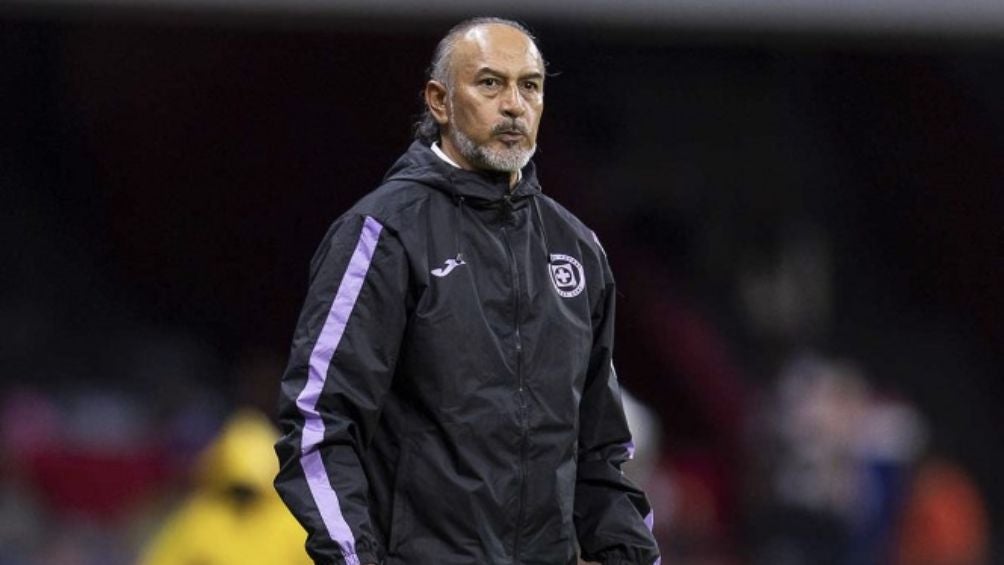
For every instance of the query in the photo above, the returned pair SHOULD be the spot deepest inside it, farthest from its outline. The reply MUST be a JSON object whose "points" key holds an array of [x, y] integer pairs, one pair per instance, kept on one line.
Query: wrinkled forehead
{"points": [[498, 47]]}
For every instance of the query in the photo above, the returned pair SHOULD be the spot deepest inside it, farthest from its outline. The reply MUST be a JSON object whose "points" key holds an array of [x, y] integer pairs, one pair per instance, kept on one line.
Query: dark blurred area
{"points": [[805, 228]]}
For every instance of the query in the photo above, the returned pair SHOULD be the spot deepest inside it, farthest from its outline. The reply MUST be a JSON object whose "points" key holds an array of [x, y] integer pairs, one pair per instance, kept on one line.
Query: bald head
{"points": [[476, 36]]}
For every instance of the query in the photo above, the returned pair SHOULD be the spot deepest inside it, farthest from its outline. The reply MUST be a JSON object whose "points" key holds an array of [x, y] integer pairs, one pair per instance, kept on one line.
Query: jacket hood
{"points": [[420, 164]]}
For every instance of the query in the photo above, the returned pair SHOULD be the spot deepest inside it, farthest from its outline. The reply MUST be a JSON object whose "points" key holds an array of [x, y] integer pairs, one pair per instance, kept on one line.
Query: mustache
{"points": [[510, 127]]}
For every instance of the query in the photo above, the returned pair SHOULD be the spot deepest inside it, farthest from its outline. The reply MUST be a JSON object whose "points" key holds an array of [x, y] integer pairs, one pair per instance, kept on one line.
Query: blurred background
{"points": [[802, 203]]}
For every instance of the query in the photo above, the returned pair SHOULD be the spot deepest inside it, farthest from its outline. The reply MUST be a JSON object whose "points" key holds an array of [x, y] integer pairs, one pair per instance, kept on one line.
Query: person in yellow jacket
{"points": [[234, 516]]}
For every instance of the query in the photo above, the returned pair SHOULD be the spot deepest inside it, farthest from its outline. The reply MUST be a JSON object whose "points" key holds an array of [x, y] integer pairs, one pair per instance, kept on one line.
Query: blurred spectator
{"points": [[843, 458], [234, 516]]}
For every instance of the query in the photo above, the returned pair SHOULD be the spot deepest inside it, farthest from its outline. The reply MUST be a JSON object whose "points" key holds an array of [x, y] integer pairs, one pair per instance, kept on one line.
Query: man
{"points": [[450, 397]]}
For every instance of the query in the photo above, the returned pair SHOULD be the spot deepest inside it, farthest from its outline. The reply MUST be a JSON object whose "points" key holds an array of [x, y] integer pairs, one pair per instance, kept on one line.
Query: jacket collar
{"points": [[420, 164]]}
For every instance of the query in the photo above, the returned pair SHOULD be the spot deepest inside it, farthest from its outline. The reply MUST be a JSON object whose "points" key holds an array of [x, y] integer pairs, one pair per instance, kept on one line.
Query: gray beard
{"points": [[508, 160]]}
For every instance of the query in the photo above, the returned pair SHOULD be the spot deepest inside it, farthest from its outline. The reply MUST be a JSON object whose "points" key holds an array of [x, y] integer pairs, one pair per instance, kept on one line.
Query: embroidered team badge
{"points": [[567, 275]]}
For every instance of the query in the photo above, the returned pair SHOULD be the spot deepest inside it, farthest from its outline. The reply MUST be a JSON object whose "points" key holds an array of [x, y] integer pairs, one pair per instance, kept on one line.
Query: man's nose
{"points": [[512, 104]]}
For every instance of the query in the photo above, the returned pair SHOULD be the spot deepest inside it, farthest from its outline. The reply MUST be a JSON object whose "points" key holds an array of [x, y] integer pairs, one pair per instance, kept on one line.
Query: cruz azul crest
{"points": [[567, 275]]}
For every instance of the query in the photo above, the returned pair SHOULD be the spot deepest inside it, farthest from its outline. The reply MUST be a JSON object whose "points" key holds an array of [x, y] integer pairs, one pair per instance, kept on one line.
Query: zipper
{"points": [[519, 384]]}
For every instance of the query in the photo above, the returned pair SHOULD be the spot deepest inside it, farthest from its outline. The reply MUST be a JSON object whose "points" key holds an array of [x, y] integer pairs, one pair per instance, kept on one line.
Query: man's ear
{"points": [[436, 99]]}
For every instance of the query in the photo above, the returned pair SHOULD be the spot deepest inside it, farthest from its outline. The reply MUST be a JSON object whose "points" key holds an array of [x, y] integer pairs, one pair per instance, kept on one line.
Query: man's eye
{"points": [[490, 82], [530, 85]]}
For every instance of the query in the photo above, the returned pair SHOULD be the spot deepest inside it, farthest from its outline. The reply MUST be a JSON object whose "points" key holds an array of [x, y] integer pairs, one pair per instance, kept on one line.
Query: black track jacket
{"points": [[450, 397]]}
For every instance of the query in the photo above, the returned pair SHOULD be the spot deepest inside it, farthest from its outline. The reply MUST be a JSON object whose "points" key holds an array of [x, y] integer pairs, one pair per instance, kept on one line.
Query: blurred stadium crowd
{"points": [[806, 240]]}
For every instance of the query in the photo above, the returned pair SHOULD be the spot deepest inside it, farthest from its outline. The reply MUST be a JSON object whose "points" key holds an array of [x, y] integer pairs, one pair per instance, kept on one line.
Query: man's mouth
{"points": [[510, 133], [510, 136]]}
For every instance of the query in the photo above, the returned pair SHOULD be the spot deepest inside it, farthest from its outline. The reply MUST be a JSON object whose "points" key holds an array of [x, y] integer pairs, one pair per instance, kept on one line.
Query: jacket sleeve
{"points": [[340, 369], [612, 516]]}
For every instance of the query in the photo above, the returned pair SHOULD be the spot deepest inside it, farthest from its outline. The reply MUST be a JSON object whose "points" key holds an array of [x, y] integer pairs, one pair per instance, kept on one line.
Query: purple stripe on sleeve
{"points": [[629, 446], [320, 360], [650, 522]]}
